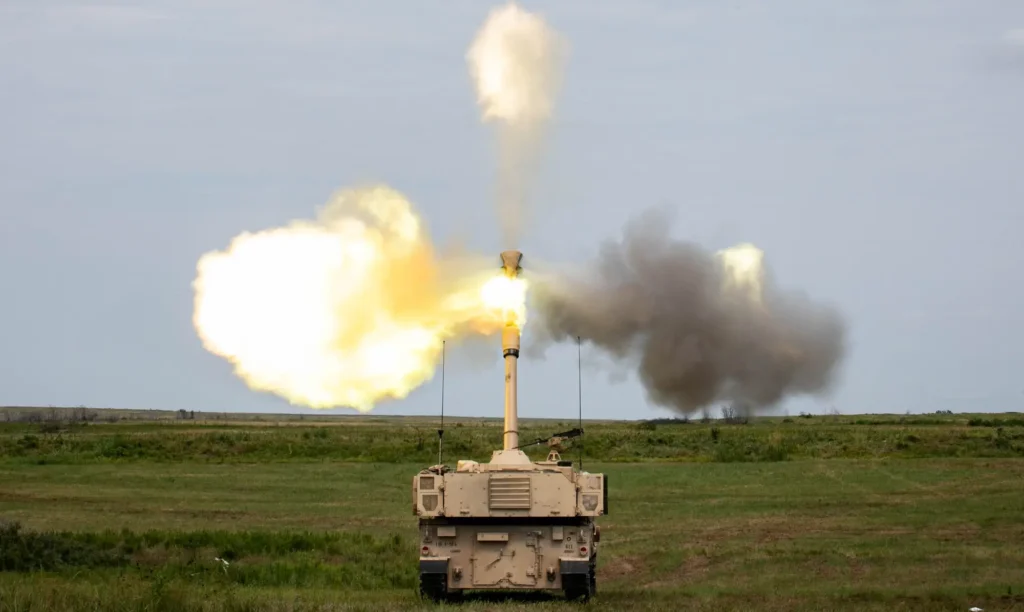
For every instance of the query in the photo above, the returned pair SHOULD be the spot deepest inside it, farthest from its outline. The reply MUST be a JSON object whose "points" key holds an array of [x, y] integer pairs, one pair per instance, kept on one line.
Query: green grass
{"points": [[415, 440], [890, 513]]}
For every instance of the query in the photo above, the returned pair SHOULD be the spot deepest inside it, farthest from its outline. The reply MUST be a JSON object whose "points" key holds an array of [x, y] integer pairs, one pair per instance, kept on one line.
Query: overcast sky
{"points": [[873, 149]]}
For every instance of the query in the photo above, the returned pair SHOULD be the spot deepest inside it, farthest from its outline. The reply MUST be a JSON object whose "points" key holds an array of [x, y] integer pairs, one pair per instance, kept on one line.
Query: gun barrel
{"points": [[510, 351]]}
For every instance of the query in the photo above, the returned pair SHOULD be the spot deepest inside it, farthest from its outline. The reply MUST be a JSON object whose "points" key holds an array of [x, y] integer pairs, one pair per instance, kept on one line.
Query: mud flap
{"points": [[570, 567], [434, 566]]}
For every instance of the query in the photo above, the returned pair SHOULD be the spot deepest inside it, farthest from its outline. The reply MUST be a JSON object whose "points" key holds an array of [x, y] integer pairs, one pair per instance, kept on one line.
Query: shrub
{"points": [[29, 551]]}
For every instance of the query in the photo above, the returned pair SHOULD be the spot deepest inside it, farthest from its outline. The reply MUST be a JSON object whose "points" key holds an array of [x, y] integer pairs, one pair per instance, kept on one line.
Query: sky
{"points": [[872, 149]]}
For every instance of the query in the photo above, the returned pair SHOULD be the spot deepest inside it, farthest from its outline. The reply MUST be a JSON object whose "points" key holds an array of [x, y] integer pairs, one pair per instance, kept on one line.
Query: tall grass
{"points": [[348, 560], [616, 442]]}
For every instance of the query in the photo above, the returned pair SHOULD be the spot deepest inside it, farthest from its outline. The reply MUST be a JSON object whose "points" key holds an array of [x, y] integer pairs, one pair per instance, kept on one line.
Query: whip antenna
{"points": [[440, 432], [579, 378]]}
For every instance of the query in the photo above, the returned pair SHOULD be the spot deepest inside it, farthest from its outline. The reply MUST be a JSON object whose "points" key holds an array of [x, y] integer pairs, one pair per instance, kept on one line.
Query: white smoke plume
{"points": [[516, 63]]}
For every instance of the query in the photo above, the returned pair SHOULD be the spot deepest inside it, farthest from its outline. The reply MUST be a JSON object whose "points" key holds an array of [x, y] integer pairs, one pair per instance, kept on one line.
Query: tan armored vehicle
{"points": [[510, 524]]}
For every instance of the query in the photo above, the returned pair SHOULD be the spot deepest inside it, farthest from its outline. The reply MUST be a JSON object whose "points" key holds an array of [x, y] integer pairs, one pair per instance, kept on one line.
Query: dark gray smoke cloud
{"points": [[660, 306]]}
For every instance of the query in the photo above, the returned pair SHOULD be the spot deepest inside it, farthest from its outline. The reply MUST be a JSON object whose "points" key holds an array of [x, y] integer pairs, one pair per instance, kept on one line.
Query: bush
{"points": [[28, 551], [266, 559], [981, 422], [394, 441]]}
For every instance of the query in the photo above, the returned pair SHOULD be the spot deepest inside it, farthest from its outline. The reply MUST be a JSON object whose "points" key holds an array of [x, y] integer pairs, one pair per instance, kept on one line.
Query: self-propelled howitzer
{"points": [[511, 524]]}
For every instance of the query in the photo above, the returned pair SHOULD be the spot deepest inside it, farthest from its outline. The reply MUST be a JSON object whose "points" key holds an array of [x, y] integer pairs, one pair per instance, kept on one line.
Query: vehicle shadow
{"points": [[511, 597]]}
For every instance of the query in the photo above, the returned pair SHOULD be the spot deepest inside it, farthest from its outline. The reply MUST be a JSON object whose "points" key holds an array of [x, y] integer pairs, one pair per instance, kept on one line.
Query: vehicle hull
{"points": [[500, 554]]}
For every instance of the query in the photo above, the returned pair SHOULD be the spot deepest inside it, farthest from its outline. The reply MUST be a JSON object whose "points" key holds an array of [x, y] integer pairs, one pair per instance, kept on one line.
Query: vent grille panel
{"points": [[509, 493]]}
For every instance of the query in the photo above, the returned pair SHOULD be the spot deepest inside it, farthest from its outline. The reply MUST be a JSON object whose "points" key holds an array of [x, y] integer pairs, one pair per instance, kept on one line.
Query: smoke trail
{"points": [[347, 309], [699, 327], [516, 63]]}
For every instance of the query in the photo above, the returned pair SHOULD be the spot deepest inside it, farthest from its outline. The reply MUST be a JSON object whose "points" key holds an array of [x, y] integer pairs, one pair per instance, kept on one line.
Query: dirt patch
{"points": [[55, 497], [208, 513], [766, 529], [825, 570], [692, 569], [622, 567]]}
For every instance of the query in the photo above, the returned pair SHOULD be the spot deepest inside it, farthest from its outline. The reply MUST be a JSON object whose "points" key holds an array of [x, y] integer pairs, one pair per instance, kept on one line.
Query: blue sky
{"points": [[872, 149]]}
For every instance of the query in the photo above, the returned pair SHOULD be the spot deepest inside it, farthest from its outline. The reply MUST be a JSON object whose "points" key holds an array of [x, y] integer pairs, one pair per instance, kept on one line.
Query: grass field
{"points": [[824, 513]]}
